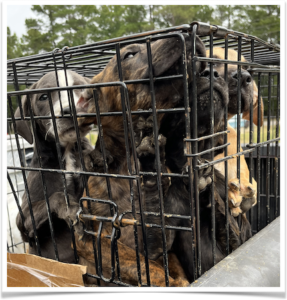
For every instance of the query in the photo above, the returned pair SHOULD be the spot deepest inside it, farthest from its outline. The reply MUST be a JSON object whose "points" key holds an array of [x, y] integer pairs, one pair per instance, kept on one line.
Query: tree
{"points": [[75, 24], [224, 15], [262, 21], [14, 47], [57, 26], [173, 15], [119, 20]]}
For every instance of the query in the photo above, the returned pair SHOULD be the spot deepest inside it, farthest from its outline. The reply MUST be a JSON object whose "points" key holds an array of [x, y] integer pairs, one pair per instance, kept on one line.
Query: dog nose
{"points": [[245, 77], [206, 73], [66, 110]]}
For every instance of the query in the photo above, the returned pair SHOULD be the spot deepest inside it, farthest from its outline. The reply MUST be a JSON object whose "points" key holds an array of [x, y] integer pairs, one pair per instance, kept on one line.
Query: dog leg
{"points": [[94, 161], [143, 128], [150, 188], [204, 176], [175, 270], [58, 207], [128, 266]]}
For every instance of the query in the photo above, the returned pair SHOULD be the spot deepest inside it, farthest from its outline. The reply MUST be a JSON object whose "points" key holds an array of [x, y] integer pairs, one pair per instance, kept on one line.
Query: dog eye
{"points": [[43, 97], [129, 55]]}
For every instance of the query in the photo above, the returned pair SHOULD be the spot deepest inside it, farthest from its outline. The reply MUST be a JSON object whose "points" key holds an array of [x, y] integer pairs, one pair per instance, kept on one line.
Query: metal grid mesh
{"points": [[260, 145]]}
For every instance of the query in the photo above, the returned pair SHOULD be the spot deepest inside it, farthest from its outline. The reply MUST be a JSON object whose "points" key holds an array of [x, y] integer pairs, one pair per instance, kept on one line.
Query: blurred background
{"points": [[34, 29]]}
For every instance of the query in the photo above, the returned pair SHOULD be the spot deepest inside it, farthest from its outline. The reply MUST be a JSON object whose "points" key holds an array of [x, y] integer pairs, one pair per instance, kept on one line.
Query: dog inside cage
{"points": [[147, 158]]}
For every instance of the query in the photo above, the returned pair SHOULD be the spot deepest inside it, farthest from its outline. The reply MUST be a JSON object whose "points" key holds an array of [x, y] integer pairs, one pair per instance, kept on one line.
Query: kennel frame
{"points": [[216, 35]]}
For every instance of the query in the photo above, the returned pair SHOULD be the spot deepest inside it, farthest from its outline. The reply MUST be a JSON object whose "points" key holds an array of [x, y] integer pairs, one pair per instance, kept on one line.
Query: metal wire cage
{"points": [[261, 146]]}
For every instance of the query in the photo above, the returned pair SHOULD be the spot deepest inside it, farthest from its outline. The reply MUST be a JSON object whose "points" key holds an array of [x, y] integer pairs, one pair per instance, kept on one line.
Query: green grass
{"points": [[245, 133]]}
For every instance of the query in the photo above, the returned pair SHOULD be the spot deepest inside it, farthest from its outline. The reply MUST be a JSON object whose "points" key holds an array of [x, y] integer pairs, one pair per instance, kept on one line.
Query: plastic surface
{"points": [[255, 264]]}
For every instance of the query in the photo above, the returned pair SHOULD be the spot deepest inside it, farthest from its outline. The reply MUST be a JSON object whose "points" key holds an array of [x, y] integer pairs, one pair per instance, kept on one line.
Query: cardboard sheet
{"points": [[27, 270]]}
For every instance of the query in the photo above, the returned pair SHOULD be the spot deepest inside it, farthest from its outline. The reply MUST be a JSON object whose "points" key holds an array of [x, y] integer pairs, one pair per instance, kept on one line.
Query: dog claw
{"points": [[234, 186], [233, 202], [252, 192]]}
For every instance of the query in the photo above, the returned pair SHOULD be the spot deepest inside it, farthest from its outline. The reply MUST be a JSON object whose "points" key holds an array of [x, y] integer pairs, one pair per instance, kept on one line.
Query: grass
{"points": [[245, 133]]}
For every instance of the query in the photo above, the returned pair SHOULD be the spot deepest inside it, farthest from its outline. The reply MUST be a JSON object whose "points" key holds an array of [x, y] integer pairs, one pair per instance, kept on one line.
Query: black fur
{"points": [[55, 193], [177, 199]]}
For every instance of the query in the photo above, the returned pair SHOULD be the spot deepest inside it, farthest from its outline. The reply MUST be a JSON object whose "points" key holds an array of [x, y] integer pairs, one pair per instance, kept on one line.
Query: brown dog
{"points": [[249, 94], [166, 60]]}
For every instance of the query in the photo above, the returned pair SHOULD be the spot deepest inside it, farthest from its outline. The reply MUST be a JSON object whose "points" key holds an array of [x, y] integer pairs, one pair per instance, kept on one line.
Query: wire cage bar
{"points": [[147, 226]]}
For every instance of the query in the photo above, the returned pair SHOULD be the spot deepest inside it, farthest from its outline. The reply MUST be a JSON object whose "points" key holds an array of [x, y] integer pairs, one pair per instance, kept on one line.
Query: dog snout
{"points": [[207, 74], [246, 78]]}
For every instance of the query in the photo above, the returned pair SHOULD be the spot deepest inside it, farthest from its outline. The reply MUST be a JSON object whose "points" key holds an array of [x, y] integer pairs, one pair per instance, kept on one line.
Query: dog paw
{"points": [[94, 160], [247, 203], [204, 176], [234, 194], [241, 196], [248, 190], [73, 214], [236, 211], [143, 128], [249, 194], [146, 155], [147, 145]]}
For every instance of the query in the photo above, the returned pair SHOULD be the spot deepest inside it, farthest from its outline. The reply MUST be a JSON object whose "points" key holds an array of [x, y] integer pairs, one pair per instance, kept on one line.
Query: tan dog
{"points": [[249, 94]]}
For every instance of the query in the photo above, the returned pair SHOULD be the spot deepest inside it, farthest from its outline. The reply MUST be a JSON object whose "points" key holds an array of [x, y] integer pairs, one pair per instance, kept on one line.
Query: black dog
{"points": [[176, 195], [177, 201], [45, 150]]}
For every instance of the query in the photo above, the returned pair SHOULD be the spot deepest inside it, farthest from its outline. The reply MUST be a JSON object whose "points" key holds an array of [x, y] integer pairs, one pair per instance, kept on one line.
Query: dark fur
{"points": [[176, 196], [166, 60], [58, 207], [46, 148], [177, 201]]}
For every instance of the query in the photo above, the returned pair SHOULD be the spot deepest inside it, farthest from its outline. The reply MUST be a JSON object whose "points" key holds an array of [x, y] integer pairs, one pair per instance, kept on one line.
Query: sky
{"points": [[16, 15]]}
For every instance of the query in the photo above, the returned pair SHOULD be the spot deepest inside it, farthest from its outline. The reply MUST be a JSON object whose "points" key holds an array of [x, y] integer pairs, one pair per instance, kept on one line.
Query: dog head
{"points": [[41, 107], [249, 90], [220, 101], [166, 60]]}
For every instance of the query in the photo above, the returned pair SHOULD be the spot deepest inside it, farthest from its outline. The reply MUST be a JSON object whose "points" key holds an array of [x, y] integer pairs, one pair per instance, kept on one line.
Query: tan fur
{"points": [[233, 55], [245, 189]]}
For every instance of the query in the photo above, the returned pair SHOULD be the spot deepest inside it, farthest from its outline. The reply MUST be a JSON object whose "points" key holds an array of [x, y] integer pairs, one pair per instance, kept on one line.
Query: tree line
{"points": [[57, 26]]}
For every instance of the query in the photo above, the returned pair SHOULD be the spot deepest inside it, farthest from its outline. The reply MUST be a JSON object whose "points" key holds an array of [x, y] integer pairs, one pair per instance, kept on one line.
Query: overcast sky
{"points": [[16, 15]]}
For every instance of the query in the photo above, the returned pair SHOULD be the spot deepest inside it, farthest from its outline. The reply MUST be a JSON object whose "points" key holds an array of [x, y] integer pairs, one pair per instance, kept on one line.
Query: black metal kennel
{"points": [[261, 145]]}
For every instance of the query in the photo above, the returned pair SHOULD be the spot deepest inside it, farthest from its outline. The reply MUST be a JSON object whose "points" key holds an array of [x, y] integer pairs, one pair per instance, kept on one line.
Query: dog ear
{"points": [[88, 80], [246, 115], [22, 126], [86, 95]]}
